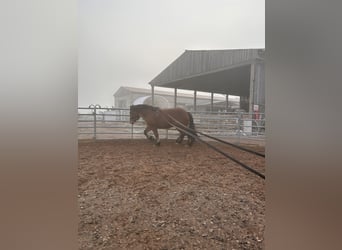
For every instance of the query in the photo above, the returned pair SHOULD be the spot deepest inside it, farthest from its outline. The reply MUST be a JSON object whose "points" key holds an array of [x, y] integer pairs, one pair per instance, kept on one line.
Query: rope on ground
{"points": [[186, 131], [233, 145]]}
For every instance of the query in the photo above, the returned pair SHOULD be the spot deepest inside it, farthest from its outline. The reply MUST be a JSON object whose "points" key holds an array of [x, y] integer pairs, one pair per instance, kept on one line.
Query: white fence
{"points": [[113, 123]]}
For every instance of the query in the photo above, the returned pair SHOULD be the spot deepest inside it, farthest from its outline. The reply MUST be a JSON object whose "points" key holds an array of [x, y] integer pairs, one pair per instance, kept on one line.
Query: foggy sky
{"points": [[129, 42]]}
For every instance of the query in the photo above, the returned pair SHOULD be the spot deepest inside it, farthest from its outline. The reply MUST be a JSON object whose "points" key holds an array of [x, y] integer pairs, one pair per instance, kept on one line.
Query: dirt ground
{"points": [[133, 195]]}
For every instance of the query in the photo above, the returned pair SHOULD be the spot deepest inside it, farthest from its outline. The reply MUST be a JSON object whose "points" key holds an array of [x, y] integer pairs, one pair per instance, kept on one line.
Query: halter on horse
{"points": [[156, 118]]}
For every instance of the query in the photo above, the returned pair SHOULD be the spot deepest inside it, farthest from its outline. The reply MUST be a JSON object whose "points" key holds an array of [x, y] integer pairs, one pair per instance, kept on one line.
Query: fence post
{"points": [[94, 123], [239, 126], [132, 131]]}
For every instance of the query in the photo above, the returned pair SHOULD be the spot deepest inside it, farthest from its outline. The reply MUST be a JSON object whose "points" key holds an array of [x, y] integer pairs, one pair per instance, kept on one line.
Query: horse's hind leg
{"points": [[180, 137], [191, 140], [149, 137]]}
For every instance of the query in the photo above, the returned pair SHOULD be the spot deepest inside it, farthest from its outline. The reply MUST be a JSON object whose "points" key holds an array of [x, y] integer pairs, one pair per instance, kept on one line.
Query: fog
{"points": [[129, 42]]}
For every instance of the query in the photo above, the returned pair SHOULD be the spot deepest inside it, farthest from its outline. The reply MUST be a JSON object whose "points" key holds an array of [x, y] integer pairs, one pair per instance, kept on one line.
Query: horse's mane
{"points": [[144, 106]]}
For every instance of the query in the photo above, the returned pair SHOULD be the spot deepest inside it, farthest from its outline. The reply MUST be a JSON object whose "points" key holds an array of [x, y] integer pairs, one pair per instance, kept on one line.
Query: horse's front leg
{"points": [[156, 135], [149, 137]]}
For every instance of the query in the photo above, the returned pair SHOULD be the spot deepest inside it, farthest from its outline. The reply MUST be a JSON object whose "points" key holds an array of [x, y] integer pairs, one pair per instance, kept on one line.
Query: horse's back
{"points": [[178, 114], [175, 111]]}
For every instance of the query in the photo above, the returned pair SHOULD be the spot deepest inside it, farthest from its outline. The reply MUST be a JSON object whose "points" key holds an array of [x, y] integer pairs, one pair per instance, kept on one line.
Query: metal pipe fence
{"points": [[113, 123]]}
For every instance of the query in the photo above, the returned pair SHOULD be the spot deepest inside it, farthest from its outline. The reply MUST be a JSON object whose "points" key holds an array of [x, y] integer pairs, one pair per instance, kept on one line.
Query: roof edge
{"points": [[249, 62]]}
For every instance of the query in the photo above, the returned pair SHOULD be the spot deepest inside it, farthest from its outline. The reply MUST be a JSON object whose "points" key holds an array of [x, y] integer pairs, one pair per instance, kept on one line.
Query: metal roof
{"points": [[217, 71]]}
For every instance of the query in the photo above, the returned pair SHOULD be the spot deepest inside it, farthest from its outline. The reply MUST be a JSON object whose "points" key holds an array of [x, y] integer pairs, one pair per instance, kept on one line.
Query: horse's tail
{"points": [[192, 124]]}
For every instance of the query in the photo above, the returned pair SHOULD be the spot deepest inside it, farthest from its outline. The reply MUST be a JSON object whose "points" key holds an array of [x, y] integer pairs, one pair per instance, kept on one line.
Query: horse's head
{"points": [[133, 115]]}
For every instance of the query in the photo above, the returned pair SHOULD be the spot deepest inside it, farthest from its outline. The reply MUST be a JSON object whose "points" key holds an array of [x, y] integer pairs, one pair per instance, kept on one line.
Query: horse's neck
{"points": [[147, 112], [143, 113]]}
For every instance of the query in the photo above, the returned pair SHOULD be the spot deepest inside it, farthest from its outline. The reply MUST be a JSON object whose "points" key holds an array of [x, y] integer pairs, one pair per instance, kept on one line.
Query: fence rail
{"points": [[113, 123]]}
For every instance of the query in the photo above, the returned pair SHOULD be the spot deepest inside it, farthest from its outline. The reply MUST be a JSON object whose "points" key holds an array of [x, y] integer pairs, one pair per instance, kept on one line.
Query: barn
{"points": [[239, 72]]}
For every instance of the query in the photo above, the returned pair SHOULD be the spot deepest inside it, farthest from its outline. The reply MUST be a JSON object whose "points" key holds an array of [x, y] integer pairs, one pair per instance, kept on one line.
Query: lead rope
{"points": [[225, 142], [211, 146]]}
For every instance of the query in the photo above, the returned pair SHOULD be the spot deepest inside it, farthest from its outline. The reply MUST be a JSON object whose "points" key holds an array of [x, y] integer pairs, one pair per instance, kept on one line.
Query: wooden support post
{"points": [[251, 89], [212, 102], [175, 100], [152, 86]]}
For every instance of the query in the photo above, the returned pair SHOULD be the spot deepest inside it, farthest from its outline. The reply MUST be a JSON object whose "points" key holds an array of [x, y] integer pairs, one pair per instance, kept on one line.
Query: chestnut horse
{"points": [[156, 118]]}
